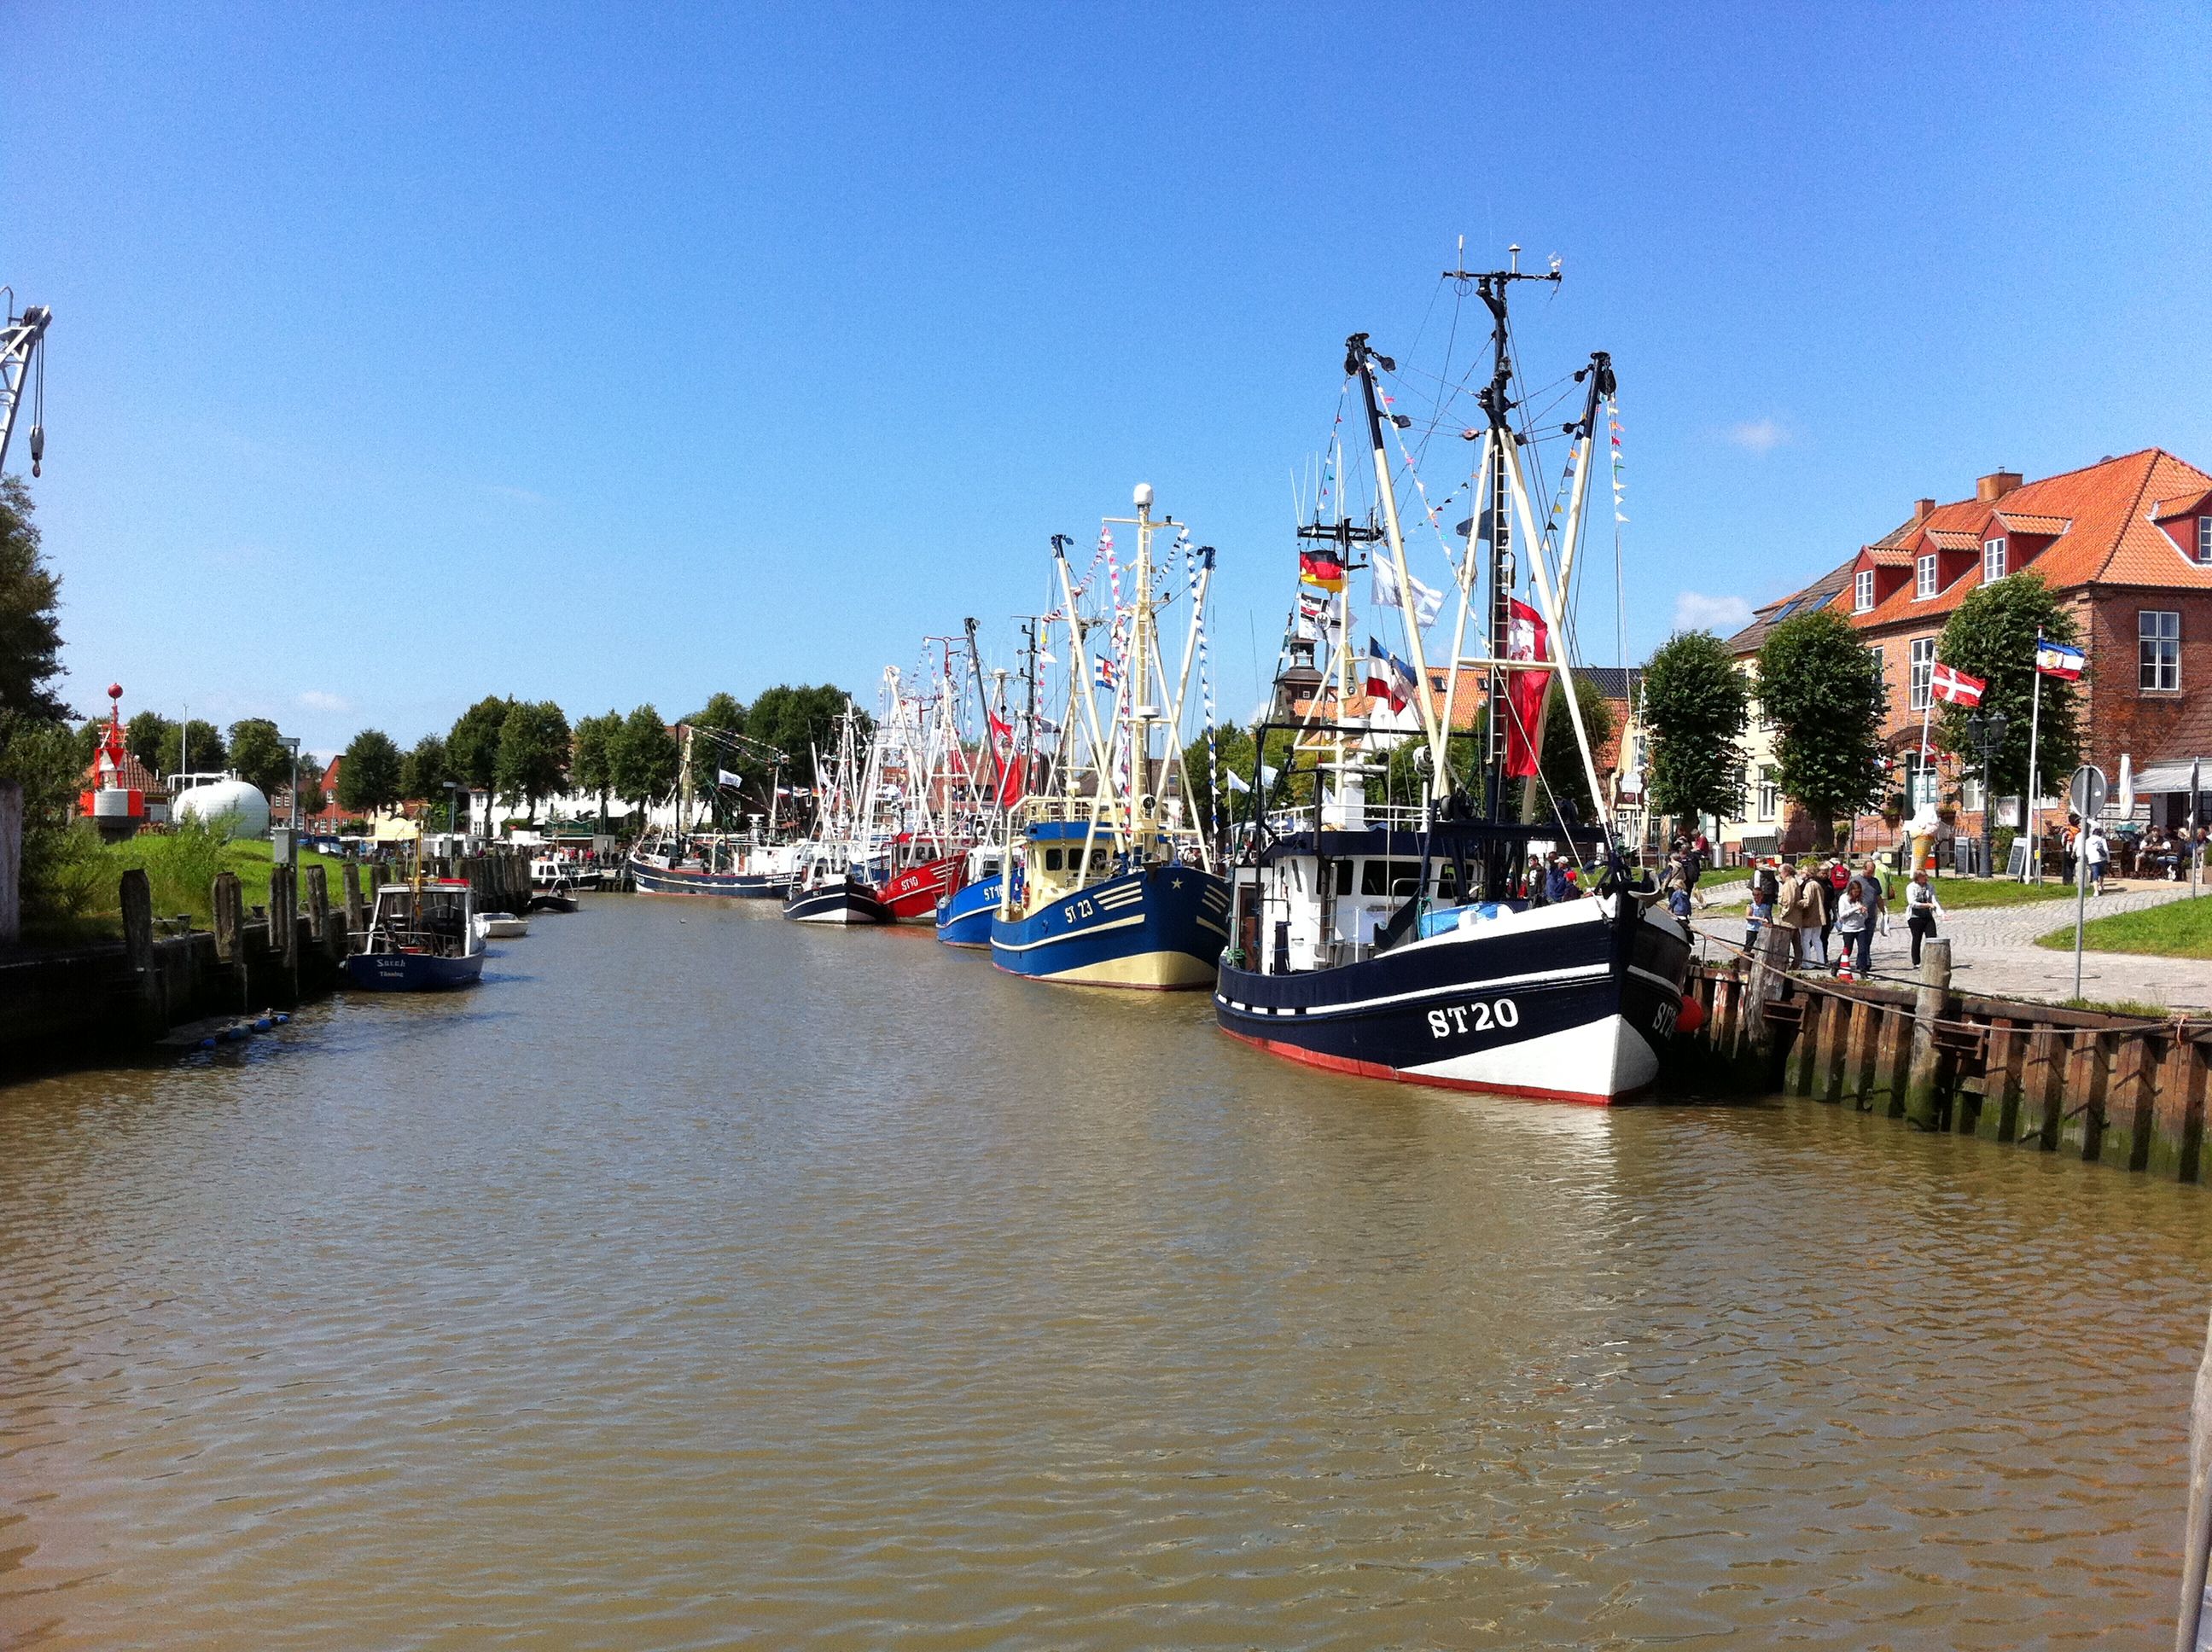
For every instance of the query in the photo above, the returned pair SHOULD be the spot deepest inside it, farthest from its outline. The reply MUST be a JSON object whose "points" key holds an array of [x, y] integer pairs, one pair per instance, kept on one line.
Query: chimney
{"points": [[1996, 485], [1922, 510]]}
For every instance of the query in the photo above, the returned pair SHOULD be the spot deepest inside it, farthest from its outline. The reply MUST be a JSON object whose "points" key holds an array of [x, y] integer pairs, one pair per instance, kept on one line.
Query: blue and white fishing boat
{"points": [[964, 917], [1397, 943], [1109, 884], [422, 937]]}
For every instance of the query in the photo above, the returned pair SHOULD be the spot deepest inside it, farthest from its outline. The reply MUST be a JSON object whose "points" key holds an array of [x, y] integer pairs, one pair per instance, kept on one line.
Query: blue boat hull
{"points": [[964, 917], [1160, 929], [411, 972]]}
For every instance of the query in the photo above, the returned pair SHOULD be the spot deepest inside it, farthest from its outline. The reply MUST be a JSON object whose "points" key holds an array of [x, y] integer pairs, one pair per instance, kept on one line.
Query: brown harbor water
{"points": [[702, 1280]]}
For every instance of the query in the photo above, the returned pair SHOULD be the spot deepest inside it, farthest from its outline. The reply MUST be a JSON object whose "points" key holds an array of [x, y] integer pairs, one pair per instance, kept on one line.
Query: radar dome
{"points": [[240, 807]]}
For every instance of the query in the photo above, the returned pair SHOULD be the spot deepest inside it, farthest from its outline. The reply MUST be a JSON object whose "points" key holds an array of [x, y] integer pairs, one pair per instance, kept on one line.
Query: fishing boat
{"points": [[1396, 942], [421, 939], [695, 856], [964, 917], [558, 872], [1109, 883], [827, 891]]}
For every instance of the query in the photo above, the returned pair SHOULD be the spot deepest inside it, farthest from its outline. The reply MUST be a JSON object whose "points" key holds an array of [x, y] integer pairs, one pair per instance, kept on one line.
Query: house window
{"points": [[1881, 671], [1925, 577], [1863, 587], [2204, 538], [1993, 560], [1923, 667], [2158, 649], [1769, 792]]}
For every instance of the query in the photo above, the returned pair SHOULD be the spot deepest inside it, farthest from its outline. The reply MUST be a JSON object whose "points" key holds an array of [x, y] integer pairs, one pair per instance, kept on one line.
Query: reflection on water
{"points": [[707, 1279]]}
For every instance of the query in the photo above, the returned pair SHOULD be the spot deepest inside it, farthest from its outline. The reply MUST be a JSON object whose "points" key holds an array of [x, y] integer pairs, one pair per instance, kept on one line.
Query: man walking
{"points": [[1786, 914]]}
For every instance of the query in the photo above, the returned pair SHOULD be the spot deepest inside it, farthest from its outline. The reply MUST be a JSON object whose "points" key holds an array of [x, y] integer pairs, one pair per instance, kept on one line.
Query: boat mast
{"points": [[1364, 361]]}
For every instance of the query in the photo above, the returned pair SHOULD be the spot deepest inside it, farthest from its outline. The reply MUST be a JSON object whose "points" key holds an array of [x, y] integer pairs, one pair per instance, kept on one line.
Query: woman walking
{"points": [[1922, 909], [1854, 923]]}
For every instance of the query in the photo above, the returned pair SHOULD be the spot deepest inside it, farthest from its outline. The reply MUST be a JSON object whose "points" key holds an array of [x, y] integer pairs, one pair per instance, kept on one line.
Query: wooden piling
{"points": [[227, 900], [2178, 1110], [137, 899], [318, 905], [2134, 1073], [1922, 1095], [284, 932], [1859, 1052], [2087, 1074], [357, 914]]}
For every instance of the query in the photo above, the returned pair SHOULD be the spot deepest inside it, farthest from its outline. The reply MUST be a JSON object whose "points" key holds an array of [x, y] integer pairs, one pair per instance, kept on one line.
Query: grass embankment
{"points": [[180, 868], [2178, 929]]}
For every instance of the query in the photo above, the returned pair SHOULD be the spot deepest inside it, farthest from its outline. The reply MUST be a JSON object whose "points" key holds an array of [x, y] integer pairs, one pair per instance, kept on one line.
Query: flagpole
{"points": [[1920, 773], [2033, 869]]}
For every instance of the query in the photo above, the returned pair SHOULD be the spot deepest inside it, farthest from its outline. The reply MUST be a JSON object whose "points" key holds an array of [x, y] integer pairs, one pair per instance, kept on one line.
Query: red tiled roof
{"points": [[2110, 537], [1886, 556], [132, 776], [2048, 527], [1953, 539]]}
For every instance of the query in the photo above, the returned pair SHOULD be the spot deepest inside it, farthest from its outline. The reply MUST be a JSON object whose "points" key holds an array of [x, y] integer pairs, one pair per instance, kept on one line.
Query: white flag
{"points": [[1427, 604], [723, 777], [1231, 779]]}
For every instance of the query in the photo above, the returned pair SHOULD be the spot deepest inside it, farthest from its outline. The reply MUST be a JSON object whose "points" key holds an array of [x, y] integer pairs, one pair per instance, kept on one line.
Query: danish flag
{"points": [[1945, 683]]}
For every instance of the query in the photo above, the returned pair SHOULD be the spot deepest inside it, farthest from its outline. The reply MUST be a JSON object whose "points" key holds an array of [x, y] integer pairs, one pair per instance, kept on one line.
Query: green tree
{"points": [[722, 711], [799, 720], [368, 779], [534, 753], [60, 865], [1821, 688], [424, 771], [643, 759], [196, 742], [1991, 635], [310, 790], [86, 741], [592, 765], [258, 754], [472, 743], [30, 626], [1696, 706], [146, 735]]}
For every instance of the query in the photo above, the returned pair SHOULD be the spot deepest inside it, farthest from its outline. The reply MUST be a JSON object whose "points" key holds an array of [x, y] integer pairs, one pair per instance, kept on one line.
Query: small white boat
{"points": [[501, 927]]}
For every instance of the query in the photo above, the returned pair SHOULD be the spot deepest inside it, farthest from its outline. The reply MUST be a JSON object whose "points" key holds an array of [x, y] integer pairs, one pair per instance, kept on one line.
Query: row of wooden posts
{"points": [[2125, 1090]]}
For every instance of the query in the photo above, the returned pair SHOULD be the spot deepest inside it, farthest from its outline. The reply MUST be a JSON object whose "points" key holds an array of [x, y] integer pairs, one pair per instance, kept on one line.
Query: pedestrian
{"points": [[1535, 880], [1678, 889], [1874, 895], [1761, 910], [1922, 909], [1831, 882], [1813, 915], [1785, 920], [2093, 844], [1854, 923], [1556, 886]]}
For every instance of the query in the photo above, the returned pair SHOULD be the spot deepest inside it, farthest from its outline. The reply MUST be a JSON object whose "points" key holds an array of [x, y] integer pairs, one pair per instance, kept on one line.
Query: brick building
{"points": [[2126, 545]]}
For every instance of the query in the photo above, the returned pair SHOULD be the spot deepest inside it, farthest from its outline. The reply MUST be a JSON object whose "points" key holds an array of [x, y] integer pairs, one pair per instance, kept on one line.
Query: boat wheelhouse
{"points": [[964, 917]]}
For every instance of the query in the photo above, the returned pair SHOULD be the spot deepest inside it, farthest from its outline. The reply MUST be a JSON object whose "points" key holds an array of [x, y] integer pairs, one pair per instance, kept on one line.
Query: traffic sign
{"points": [[2086, 791]]}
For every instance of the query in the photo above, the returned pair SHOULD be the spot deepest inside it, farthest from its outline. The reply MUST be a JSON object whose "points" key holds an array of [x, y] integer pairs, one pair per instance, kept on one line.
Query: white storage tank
{"points": [[241, 807]]}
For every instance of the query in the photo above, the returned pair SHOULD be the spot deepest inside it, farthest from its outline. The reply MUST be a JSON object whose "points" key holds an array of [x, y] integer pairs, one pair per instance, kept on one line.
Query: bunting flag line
{"points": [[1613, 432]]}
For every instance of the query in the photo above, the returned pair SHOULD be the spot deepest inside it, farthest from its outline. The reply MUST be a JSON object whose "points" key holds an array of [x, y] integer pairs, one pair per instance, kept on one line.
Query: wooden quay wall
{"points": [[2123, 1091], [98, 1003]]}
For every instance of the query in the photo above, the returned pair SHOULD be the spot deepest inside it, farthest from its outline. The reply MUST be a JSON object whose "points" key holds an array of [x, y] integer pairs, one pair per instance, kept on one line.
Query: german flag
{"points": [[1318, 567]]}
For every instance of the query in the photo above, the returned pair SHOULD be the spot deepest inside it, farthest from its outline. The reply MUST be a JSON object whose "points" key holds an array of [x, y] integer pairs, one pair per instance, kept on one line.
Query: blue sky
{"points": [[665, 350]]}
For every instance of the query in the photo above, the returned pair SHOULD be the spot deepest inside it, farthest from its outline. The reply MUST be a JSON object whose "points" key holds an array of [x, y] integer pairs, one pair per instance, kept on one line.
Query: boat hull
{"points": [[412, 972], [654, 880], [850, 902], [965, 918], [1159, 929], [1558, 1003], [913, 894]]}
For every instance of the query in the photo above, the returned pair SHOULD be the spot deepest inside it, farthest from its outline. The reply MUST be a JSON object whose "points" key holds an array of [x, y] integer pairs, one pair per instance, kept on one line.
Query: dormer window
{"points": [[1923, 585], [1993, 560], [1863, 588], [2204, 539]]}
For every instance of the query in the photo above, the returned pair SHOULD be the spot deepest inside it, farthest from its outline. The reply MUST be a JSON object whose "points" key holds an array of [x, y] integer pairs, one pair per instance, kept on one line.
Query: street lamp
{"points": [[1985, 735], [453, 814]]}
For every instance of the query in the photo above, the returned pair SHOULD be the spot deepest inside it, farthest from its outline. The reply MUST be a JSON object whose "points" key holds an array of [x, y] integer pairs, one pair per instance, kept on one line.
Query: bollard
{"points": [[1922, 1099]]}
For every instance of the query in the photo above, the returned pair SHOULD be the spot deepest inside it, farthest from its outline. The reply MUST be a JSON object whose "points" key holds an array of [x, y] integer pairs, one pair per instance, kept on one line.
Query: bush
{"points": [[181, 864]]}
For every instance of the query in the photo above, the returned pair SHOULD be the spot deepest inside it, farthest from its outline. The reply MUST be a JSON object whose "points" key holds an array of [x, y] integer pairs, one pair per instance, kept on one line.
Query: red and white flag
{"points": [[1946, 683], [1526, 637]]}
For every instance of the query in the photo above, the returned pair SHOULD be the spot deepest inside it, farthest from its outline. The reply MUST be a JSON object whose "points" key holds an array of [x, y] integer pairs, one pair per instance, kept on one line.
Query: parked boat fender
{"points": [[1693, 1016]]}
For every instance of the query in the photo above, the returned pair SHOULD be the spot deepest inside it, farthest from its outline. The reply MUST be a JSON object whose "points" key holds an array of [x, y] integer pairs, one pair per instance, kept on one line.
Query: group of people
{"points": [[1816, 906], [1549, 880], [2169, 854]]}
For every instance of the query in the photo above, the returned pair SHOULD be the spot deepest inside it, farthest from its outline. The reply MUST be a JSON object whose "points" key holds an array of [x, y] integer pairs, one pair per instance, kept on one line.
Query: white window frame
{"points": [[2204, 539], [1862, 589], [1925, 577], [1923, 672], [1993, 560], [2158, 650], [1770, 791]]}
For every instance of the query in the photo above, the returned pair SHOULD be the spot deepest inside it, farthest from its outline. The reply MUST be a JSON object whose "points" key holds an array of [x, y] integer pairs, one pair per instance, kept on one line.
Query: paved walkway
{"points": [[1993, 951]]}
